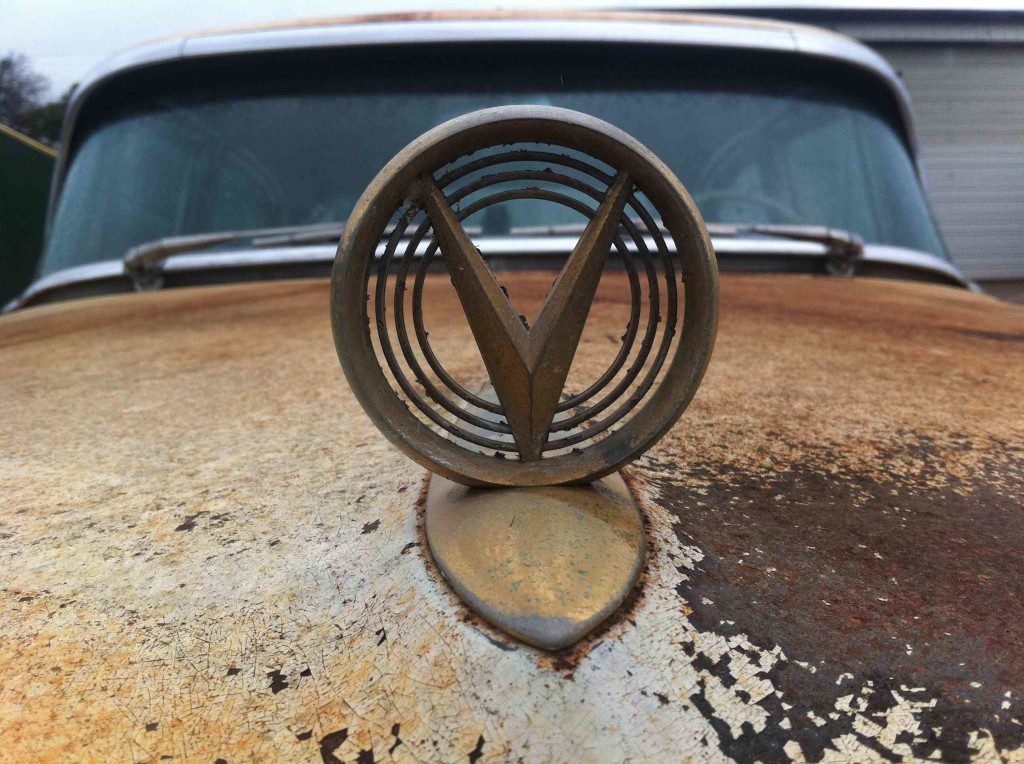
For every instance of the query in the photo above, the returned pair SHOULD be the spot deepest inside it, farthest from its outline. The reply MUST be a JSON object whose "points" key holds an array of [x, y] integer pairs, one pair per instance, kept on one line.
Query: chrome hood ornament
{"points": [[524, 426]]}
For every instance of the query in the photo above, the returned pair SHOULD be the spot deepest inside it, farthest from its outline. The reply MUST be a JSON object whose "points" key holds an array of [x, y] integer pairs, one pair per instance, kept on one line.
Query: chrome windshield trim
{"points": [[246, 258], [497, 30], [912, 258], [79, 274], [688, 30], [873, 6], [494, 246]]}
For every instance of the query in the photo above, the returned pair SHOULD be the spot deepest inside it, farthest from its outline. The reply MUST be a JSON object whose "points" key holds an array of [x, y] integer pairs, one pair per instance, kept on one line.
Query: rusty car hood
{"points": [[210, 551]]}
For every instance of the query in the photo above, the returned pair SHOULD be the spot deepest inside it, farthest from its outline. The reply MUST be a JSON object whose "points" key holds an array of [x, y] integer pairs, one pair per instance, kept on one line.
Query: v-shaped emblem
{"points": [[527, 367]]}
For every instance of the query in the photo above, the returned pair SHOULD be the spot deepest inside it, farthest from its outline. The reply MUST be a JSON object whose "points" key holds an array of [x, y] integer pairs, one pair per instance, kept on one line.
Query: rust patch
{"points": [[229, 401], [863, 579]]}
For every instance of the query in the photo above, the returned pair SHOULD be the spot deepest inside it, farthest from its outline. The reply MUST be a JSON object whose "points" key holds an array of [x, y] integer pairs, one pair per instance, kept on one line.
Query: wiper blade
{"points": [[567, 229], [843, 248], [142, 262], [325, 233]]}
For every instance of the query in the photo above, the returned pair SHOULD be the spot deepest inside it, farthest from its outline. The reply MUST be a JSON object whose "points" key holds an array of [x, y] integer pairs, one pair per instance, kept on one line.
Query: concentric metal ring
{"points": [[491, 158]]}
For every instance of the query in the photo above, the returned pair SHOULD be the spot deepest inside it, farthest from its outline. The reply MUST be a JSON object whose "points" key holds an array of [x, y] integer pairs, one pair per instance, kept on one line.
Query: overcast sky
{"points": [[65, 38]]}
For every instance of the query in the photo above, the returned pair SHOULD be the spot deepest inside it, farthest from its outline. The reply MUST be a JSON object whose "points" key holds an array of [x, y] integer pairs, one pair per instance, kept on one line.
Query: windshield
{"points": [[235, 148]]}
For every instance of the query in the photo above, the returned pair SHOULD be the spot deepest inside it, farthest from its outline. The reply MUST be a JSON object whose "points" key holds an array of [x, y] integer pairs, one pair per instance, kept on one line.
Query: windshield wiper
{"points": [[843, 249], [142, 262]]}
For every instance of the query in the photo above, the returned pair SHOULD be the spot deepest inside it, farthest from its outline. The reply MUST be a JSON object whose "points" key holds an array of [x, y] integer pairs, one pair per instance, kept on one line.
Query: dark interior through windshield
{"points": [[291, 139]]}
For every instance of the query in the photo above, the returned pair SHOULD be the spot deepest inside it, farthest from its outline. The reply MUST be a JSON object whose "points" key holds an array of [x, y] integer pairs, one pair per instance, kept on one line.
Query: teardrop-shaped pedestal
{"points": [[546, 565]]}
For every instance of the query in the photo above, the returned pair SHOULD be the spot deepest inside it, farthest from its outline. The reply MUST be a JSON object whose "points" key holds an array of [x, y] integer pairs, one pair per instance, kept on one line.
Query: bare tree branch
{"points": [[21, 90]]}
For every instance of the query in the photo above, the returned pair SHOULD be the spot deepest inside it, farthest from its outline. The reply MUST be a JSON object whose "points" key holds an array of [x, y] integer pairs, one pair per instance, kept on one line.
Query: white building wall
{"points": [[969, 101]]}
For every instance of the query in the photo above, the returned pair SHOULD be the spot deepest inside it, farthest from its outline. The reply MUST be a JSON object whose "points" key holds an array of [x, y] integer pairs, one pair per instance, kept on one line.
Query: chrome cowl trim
{"points": [[725, 247], [884, 254]]}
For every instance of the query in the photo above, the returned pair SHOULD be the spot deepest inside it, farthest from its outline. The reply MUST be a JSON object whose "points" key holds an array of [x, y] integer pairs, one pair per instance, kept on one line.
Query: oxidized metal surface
{"points": [[209, 551], [540, 437], [546, 564]]}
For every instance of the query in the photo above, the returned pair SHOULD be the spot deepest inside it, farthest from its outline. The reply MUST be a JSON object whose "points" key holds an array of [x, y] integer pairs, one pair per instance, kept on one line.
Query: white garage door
{"points": [[969, 101]]}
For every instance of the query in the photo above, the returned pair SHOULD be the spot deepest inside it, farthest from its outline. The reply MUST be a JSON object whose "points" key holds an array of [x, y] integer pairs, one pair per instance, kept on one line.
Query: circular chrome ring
{"points": [[658, 236]]}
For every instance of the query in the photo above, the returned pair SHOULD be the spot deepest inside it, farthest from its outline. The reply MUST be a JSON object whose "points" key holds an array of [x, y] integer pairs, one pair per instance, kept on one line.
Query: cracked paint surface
{"points": [[210, 553]]}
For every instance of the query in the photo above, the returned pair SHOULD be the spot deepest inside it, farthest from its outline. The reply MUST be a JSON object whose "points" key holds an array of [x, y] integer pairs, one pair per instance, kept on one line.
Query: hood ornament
{"points": [[524, 428]]}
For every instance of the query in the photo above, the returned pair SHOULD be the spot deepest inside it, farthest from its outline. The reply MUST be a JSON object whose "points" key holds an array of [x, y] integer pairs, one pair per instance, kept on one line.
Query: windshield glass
{"points": [[296, 142]]}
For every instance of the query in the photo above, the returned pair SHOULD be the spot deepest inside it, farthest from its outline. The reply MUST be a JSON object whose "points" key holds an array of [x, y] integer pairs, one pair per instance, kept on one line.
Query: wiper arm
{"points": [[843, 248], [142, 262], [319, 233]]}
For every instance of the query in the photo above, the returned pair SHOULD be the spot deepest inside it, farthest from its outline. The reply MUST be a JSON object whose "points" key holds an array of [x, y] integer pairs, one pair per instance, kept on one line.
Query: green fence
{"points": [[25, 170]]}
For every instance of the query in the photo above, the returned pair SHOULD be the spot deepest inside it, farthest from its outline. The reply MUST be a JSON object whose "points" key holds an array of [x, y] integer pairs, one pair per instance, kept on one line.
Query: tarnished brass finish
{"points": [[528, 367], [547, 565], [536, 433]]}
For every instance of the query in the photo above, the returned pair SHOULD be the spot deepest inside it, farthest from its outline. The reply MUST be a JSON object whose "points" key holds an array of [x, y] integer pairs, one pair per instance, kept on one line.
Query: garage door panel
{"points": [[969, 104]]}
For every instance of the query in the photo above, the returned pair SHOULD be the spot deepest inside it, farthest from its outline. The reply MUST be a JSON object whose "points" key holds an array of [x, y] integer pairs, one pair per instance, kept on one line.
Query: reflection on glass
{"points": [[753, 149]]}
